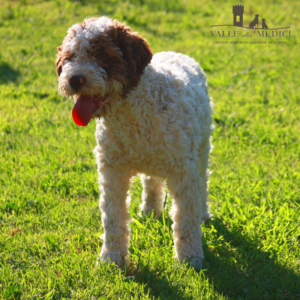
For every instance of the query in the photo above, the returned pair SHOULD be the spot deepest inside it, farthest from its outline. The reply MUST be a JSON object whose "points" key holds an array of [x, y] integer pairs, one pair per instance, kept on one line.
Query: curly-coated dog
{"points": [[153, 117]]}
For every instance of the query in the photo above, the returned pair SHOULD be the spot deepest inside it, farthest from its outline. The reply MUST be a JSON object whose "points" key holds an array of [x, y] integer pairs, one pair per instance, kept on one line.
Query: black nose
{"points": [[77, 81]]}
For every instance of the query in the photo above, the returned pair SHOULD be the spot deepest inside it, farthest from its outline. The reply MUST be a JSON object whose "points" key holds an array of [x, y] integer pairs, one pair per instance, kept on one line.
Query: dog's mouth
{"points": [[85, 107]]}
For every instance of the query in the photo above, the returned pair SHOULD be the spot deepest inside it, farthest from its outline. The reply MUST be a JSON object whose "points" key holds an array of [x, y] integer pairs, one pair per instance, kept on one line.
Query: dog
{"points": [[264, 24], [153, 117], [254, 23]]}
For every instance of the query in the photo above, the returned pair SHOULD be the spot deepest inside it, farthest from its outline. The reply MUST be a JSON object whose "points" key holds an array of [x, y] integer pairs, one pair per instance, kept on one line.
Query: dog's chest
{"points": [[136, 138]]}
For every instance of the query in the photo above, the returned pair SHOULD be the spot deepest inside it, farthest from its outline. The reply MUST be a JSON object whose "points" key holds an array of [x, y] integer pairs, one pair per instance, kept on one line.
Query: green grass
{"points": [[50, 222]]}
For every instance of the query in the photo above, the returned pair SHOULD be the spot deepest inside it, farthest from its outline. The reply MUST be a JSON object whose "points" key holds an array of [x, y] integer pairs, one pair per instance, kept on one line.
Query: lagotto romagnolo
{"points": [[153, 117]]}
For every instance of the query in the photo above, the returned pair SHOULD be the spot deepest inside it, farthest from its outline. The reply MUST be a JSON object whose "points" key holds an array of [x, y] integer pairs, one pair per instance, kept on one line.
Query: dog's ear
{"points": [[58, 61], [135, 50]]}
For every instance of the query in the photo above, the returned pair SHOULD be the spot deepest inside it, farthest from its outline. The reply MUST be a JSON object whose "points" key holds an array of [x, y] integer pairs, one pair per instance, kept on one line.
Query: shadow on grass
{"points": [[246, 272], [243, 272], [7, 73], [160, 288]]}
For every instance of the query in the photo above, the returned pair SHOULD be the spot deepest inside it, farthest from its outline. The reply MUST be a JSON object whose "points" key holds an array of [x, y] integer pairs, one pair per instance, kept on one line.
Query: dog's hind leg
{"points": [[203, 167], [114, 185], [186, 213], [153, 195]]}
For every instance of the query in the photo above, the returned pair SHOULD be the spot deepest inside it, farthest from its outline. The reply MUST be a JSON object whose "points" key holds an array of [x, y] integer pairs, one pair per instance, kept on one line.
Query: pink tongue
{"points": [[82, 110]]}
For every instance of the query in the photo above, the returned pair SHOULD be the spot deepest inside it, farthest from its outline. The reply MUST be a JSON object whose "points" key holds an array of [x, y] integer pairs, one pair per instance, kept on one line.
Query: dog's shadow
{"points": [[7, 73], [245, 271], [242, 272]]}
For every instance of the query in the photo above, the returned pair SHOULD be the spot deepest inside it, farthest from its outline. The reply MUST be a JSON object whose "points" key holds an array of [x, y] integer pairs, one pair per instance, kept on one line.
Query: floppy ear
{"points": [[136, 51], [58, 62]]}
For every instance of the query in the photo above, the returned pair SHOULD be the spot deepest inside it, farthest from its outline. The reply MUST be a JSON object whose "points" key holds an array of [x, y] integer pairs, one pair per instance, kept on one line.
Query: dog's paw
{"points": [[114, 257], [196, 263]]}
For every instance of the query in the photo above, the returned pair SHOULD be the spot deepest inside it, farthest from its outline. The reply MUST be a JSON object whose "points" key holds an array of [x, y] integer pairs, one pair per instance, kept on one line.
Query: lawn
{"points": [[50, 222]]}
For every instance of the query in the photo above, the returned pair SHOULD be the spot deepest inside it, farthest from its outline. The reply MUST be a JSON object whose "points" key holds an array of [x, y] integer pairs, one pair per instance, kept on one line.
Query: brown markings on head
{"points": [[59, 60], [123, 54], [136, 53], [104, 52], [63, 55]]}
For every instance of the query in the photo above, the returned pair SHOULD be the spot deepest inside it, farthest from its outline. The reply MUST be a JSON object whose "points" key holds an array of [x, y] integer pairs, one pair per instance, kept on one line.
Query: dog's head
{"points": [[99, 59]]}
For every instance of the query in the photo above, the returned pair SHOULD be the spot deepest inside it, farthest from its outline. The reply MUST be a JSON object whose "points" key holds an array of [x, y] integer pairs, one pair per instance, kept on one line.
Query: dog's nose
{"points": [[77, 81]]}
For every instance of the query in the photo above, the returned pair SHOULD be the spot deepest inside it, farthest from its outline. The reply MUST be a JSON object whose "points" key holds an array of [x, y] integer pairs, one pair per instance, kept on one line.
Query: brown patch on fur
{"points": [[135, 50], [122, 53], [59, 62], [63, 55], [103, 51]]}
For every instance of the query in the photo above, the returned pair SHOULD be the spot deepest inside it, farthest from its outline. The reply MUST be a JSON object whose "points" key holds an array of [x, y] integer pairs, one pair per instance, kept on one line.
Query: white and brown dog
{"points": [[153, 117]]}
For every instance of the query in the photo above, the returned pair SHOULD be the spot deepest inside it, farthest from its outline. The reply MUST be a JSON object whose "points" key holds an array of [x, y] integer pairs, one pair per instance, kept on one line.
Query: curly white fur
{"points": [[161, 128]]}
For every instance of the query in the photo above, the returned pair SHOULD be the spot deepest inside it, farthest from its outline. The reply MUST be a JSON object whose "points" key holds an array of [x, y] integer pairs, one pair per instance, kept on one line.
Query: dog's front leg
{"points": [[186, 214], [114, 185]]}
